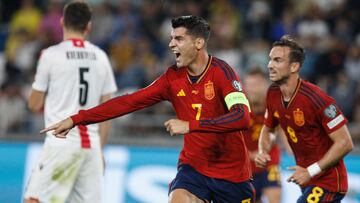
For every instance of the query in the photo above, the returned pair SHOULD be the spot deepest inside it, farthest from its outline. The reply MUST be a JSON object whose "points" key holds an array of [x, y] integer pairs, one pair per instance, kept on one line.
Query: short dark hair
{"points": [[195, 25], [77, 15], [297, 53]]}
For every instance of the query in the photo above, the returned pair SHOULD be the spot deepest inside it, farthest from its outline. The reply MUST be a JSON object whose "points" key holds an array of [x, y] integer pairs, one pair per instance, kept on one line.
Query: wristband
{"points": [[314, 169]]}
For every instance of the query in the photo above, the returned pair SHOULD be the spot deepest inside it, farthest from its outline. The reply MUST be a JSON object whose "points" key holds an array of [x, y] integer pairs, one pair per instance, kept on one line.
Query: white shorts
{"points": [[74, 175]]}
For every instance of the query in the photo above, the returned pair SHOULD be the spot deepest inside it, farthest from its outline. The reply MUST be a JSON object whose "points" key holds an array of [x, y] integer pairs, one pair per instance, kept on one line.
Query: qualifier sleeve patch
{"points": [[236, 98]]}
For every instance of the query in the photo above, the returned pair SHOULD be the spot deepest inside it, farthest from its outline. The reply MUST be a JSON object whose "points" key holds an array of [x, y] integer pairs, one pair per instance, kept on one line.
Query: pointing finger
{"points": [[292, 168]]}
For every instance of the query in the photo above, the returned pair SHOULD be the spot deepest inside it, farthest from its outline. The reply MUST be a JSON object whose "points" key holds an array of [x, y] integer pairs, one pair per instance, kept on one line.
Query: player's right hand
{"points": [[262, 159], [61, 129]]}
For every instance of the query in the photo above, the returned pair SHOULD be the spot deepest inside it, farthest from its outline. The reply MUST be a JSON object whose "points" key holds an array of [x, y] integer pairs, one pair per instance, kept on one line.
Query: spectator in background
{"points": [[267, 181], [50, 26], [343, 90], [12, 108], [24, 27], [103, 25]]}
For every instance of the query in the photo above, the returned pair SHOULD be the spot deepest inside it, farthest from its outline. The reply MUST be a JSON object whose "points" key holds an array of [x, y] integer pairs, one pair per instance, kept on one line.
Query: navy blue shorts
{"points": [[317, 194], [266, 179], [212, 189]]}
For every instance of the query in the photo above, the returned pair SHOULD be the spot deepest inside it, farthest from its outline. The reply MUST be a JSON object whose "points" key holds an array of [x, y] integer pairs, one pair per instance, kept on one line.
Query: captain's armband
{"points": [[236, 98]]}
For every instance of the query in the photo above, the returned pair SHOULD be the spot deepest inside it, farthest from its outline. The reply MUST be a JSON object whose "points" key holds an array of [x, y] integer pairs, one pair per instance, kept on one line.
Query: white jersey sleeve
{"points": [[42, 73]]}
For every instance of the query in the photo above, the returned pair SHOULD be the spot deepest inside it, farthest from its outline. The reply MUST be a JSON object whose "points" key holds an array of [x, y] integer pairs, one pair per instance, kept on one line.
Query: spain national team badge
{"points": [[209, 91], [299, 117]]}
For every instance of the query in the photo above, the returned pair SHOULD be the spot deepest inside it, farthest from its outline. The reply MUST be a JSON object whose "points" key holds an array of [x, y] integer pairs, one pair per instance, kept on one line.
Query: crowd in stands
{"points": [[135, 34]]}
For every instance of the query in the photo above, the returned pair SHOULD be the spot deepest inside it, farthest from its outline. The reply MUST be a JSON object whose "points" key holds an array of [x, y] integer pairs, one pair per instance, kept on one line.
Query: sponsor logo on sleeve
{"points": [[330, 111], [237, 85]]}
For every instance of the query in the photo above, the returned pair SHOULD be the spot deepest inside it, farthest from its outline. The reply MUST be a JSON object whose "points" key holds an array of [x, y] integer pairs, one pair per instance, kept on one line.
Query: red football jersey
{"points": [[215, 146], [251, 137], [308, 119]]}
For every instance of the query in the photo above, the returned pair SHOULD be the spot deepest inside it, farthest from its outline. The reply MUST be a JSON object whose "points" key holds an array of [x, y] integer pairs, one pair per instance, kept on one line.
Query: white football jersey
{"points": [[74, 74]]}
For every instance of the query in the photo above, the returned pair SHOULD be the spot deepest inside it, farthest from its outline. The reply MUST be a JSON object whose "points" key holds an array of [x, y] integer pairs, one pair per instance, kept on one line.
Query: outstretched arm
{"points": [[113, 108], [237, 119]]}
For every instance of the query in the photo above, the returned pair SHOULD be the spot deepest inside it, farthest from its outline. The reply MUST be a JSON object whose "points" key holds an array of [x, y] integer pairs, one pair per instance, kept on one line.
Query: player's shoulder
{"points": [[51, 51], [222, 68], [310, 88], [313, 94]]}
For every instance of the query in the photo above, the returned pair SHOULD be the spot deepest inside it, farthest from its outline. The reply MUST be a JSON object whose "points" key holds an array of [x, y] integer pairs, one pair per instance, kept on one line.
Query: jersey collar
{"points": [[203, 73], [292, 96]]}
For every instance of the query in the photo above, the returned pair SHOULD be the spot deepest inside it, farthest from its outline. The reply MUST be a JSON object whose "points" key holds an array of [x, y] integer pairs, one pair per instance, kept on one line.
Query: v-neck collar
{"points": [[292, 96], [202, 74]]}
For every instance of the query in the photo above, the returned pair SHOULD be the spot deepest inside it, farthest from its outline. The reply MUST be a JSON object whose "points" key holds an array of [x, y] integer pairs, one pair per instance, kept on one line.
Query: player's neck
{"points": [[199, 64], [73, 35], [288, 88]]}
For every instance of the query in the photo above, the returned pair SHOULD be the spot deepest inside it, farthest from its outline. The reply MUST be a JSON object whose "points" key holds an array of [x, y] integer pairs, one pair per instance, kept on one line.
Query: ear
{"points": [[62, 22], [88, 28], [295, 67], [199, 43]]}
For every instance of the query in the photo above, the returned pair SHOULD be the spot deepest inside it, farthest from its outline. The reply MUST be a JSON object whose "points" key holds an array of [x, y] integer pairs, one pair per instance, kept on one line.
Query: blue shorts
{"points": [[317, 194], [212, 189], [265, 179]]}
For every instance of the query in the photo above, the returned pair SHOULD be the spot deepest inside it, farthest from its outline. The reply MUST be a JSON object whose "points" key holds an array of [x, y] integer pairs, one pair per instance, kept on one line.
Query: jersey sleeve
{"points": [[330, 115], [152, 94], [110, 84], [270, 116], [42, 75], [238, 117]]}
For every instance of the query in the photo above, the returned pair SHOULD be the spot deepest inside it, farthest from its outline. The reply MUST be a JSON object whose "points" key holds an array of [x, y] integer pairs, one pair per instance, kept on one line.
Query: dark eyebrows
{"points": [[177, 37]]}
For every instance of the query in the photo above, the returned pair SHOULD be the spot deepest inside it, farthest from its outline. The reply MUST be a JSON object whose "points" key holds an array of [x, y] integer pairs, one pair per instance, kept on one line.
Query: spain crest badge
{"points": [[299, 118], [209, 91]]}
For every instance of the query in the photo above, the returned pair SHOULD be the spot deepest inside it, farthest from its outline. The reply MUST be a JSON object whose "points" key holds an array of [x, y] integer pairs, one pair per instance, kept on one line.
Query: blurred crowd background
{"points": [[135, 34]]}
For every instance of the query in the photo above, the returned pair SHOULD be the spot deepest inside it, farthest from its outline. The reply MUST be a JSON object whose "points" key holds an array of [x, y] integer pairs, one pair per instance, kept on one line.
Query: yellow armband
{"points": [[236, 98]]}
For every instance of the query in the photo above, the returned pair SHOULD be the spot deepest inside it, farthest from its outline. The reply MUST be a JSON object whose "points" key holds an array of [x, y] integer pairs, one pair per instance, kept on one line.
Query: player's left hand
{"points": [[177, 127], [301, 176]]}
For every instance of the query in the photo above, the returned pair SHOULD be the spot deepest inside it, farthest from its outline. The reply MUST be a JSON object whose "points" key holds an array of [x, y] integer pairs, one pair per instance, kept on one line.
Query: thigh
{"points": [[316, 194], [271, 184], [183, 196], [89, 182], [191, 181], [228, 192], [54, 175], [258, 183]]}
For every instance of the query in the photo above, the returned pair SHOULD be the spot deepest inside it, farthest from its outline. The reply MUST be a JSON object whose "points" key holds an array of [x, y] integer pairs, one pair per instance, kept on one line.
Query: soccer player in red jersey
{"points": [[266, 180], [313, 123], [211, 110]]}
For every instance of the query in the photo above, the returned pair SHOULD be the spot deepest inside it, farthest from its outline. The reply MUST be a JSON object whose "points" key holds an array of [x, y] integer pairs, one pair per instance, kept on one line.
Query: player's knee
{"points": [[31, 200]]}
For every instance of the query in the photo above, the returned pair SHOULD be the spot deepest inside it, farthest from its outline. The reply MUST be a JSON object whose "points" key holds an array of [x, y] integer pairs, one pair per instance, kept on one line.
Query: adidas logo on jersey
{"points": [[181, 93]]}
